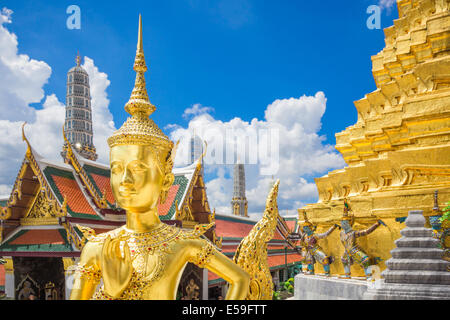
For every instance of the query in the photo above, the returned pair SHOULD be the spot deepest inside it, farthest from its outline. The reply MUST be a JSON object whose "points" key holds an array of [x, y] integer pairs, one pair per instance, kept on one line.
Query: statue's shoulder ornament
{"points": [[197, 232]]}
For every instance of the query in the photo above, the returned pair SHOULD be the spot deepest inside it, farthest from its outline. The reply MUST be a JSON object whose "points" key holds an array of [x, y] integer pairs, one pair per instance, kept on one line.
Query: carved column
{"points": [[9, 277]]}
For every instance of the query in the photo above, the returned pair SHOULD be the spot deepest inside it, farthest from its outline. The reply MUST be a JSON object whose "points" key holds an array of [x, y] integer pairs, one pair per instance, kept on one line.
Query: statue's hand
{"points": [[116, 270], [381, 222]]}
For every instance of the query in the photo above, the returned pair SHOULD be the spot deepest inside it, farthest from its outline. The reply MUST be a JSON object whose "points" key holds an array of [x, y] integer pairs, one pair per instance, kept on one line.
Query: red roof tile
{"points": [[103, 183], [164, 208], [39, 236], [232, 229], [212, 276], [2, 275], [279, 260], [75, 198], [291, 224]]}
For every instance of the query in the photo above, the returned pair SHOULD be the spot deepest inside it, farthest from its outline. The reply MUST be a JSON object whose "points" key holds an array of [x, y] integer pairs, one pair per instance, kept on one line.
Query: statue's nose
{"points": [[127, 178]]}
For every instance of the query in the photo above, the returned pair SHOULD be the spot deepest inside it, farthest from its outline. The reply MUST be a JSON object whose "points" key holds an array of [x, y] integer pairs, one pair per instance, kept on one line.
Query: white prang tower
{"points": [[239, 202], [78, 124], [196, 150]]}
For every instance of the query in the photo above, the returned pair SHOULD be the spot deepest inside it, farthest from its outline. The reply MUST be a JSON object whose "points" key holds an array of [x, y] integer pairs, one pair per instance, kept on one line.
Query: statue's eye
{"points": [[137, 166], [116, 168]]}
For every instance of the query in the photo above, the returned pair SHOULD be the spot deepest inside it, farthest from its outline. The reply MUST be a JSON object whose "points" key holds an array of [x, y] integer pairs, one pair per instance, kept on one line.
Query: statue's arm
{"points": [[84, 284], [327, 233], [369, 230], [205, 255]]}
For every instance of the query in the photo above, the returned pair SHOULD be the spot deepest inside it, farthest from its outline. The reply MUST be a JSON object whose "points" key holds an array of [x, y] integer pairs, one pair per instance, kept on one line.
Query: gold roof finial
{"points": [[139, 129], [78, 59]]}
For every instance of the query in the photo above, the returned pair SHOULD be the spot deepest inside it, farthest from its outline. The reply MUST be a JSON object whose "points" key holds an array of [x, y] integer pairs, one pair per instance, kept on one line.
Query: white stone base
{"points": [[313, 287], [394, 291]]}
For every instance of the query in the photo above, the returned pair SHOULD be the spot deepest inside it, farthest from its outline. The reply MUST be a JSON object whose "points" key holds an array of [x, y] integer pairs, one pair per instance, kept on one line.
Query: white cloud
{"points": [[195, 110], [21, 78], [302, 152], [22, 82], [102, 119], [387, 4]]}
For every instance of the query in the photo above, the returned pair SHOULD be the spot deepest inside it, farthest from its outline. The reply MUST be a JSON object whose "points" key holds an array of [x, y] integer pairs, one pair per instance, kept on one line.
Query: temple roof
{"points": [[52, 240], [64, 185]]}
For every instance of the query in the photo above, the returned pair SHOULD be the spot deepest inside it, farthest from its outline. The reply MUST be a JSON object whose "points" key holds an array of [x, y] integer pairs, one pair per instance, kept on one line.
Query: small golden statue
{"points": [[314, 253], [352, 252], [144, 259], [192, 290]]}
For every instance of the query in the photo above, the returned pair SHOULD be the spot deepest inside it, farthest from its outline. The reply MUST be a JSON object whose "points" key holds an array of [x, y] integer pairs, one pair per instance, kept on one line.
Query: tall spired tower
{"points": [[239, 202], [78, 125]]}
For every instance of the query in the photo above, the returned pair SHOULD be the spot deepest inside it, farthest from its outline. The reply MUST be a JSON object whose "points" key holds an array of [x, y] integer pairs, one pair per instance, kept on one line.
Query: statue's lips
{"points": [[126, 192]]}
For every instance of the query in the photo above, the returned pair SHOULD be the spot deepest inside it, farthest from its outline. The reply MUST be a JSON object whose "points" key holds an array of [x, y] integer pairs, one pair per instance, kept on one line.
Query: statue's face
{"points": [[307, 230], [136, 178], [345, 224]]}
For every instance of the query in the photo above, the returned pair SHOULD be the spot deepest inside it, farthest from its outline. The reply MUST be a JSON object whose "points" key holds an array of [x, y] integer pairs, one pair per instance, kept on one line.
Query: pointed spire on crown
{"points": [[139, 129], [306, 222], [347, 209], [139, 104]]}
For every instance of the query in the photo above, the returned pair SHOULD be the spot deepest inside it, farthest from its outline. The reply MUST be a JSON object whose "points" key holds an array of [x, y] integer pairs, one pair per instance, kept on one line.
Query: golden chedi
{"points": [[398, 151], [145, 258]]}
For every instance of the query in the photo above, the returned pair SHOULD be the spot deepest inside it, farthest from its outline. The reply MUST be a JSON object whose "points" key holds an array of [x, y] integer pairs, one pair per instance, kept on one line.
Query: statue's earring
{"points": [[163, 197]]}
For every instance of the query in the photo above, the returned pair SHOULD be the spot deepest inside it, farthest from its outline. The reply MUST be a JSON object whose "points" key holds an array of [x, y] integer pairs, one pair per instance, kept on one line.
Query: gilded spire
{"points": [[139, 102], [78, 59], [139, 128]]}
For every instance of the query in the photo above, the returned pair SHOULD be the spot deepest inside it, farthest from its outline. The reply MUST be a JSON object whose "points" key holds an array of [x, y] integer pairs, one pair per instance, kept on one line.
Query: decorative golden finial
{"points": [[139, 129], [78, 59], [24, 138]]}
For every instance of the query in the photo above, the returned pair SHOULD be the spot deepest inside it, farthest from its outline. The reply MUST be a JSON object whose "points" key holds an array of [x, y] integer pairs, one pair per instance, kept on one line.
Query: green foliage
{"points": [[446, 213], [276, 295], [287, 290], [289, 285]]}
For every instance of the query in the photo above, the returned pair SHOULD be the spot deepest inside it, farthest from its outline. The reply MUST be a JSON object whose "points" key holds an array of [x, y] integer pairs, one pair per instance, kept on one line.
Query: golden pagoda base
{"points": [[398, 152]]}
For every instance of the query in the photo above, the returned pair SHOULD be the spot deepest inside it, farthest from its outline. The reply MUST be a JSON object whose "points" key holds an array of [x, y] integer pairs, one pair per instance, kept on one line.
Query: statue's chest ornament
{"points": [[149, 254]]}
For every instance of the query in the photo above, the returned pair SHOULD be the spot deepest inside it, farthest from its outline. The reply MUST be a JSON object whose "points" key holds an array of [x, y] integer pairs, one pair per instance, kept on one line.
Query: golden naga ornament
{"points": [[145, 258], [251, 254]]}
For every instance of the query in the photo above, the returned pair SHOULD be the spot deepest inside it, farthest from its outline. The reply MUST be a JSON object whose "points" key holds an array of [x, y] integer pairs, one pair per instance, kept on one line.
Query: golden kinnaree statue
{"points": [[145, 258]]}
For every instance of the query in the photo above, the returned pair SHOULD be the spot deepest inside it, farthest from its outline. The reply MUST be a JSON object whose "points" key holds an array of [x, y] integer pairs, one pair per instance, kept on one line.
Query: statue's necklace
{"points": [[157, 240]]}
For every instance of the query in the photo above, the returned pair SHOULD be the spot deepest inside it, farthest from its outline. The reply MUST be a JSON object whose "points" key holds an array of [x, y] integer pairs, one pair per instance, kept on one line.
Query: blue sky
{"points": [[236, 57]]}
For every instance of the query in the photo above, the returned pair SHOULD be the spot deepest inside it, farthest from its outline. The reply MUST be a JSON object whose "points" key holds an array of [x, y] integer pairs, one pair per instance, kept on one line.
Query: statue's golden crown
{"points": [[346, 215], [139, 129], [306, 222]]}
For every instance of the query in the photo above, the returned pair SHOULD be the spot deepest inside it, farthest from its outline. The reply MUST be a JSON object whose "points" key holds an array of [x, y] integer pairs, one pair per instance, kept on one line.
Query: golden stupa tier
{"points": [[398, 152]]}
